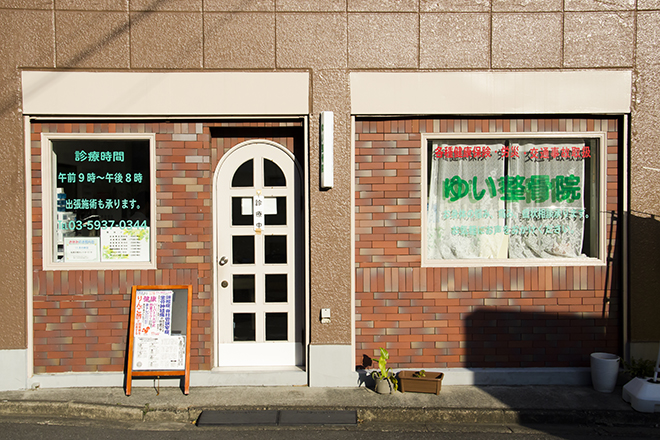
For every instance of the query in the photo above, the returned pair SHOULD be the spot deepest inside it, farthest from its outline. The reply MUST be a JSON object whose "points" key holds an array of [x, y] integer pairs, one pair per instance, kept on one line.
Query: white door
{"points": [[258, 207]]}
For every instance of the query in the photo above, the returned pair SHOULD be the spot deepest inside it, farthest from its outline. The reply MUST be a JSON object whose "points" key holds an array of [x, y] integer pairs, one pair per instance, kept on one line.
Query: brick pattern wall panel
{"points": [[81, 317], [477, 316]]}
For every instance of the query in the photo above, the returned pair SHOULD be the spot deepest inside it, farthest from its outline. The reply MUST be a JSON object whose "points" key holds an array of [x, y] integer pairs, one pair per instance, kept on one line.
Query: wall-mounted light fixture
{"points": [[325, 316], [327, 141]]}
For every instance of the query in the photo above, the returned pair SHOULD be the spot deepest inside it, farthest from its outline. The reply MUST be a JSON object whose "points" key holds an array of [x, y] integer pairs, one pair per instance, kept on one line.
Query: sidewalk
{"points": [[456, 404]]}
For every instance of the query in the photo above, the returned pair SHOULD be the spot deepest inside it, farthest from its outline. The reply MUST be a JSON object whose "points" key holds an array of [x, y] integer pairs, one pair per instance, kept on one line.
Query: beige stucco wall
{"points": [[26, 40], [645, 179], [330, 38]]}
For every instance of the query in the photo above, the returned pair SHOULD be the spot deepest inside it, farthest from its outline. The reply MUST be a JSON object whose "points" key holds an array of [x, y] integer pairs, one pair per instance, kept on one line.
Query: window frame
{"points": [[48, 184], [600, 260]]}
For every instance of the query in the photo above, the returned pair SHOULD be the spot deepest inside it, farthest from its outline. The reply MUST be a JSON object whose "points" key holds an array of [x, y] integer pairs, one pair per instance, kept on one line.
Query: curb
{"points": [[508, 416], [97, 411], [371, 414], [72, 409]]}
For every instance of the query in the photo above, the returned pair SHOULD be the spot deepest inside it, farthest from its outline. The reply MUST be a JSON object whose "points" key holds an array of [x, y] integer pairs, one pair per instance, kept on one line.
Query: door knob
{"points": [[223, 261]]}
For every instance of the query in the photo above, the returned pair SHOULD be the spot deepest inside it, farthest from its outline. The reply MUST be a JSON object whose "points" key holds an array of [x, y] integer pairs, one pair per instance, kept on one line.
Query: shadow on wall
{"points": [[500, 346], [512, 339], [501, 338], [644, 273], [100, 42], [96, 46]]}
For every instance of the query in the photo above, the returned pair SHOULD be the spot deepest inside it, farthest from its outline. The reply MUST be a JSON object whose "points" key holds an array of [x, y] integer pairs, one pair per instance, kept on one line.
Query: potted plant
{"points": [[420, 382], [385, 380], [638, 368]]}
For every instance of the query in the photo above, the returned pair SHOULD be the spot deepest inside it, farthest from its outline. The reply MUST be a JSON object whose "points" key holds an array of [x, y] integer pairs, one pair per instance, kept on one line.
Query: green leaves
{"points": [[385, 373], [382, 362]]}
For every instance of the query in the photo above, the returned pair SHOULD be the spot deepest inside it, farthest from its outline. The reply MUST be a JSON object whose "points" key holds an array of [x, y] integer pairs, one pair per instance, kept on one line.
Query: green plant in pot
{"points": [[385, 380], [639, 368]]}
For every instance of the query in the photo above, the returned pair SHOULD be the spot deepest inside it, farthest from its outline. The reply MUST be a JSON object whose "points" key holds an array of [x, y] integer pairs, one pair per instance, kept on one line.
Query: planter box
{"points": [[429, 384]]}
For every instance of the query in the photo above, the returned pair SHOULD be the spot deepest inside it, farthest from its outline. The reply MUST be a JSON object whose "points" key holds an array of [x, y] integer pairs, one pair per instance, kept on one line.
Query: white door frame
{"points": [[300, 253]]}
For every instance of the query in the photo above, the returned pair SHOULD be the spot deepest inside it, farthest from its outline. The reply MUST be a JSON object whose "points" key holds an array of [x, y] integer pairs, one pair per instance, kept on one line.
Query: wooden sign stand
{"points": [[157, 352]]}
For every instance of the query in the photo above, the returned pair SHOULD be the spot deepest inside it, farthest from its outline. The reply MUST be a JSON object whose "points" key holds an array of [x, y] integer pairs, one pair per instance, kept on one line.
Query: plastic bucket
{"points": [[604, 371]]}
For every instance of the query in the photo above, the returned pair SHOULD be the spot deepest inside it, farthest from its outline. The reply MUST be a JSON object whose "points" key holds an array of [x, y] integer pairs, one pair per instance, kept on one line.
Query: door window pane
{"points": [[244, 329], [275, 249], [243, 249], [243, 288], [278, 218], [276, 326], [273, 175], [241, 215], [276, 289], [244, 175]]}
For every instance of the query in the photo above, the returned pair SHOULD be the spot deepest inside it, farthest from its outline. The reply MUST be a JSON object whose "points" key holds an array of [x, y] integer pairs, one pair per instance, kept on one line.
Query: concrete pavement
{"points": [[455, 404]]}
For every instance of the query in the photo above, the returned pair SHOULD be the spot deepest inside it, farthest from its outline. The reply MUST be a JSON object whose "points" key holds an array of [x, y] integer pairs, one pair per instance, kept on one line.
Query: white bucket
{"points": [[604, 371]]}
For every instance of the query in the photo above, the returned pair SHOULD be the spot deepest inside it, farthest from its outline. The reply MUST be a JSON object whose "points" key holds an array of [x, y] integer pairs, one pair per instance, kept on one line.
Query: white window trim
{"points": [[601, 260], [47, 203]]}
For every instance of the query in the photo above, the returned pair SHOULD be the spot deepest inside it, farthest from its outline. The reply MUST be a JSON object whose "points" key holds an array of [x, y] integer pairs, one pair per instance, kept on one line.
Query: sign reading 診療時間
{"points": [[103, 191]]}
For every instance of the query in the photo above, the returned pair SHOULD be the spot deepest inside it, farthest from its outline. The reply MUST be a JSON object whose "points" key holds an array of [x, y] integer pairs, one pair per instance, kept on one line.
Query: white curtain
{"points": [[463, 213], [550, 221], [536, 211]]}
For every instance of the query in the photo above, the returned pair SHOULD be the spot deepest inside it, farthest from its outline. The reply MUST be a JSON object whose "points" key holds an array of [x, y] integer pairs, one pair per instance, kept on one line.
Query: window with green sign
{"points": [[98, 200], [518, 198]]}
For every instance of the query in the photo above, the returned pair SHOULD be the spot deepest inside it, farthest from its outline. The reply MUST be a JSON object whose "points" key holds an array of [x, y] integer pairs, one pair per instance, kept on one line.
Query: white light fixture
{"points": [[325, 316], [327, 153]]}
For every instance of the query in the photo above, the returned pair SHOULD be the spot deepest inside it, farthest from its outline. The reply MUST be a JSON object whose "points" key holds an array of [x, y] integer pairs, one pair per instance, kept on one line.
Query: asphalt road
{"points": [[27, 428]]}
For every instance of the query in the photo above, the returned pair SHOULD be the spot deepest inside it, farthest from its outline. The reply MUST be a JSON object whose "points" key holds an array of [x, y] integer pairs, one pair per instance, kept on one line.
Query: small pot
{"points": [[383, 386]]}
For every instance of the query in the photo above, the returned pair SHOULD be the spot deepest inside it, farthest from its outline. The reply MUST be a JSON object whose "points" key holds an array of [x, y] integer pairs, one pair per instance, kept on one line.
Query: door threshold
{"points": [[250, 376], [259, 368]]}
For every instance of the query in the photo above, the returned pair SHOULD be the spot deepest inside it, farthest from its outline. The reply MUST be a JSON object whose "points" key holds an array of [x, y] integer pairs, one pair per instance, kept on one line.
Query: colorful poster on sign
{"points": [[153, 313]]}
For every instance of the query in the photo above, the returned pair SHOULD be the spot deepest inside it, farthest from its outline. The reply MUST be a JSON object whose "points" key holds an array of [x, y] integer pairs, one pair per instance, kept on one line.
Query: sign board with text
{"points": [[160, 324]]}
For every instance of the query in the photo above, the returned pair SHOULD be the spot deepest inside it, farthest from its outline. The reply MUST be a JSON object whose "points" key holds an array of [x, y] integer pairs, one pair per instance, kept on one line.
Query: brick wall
{"points": [[467, 317], [81, 317], [425, 317]]}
